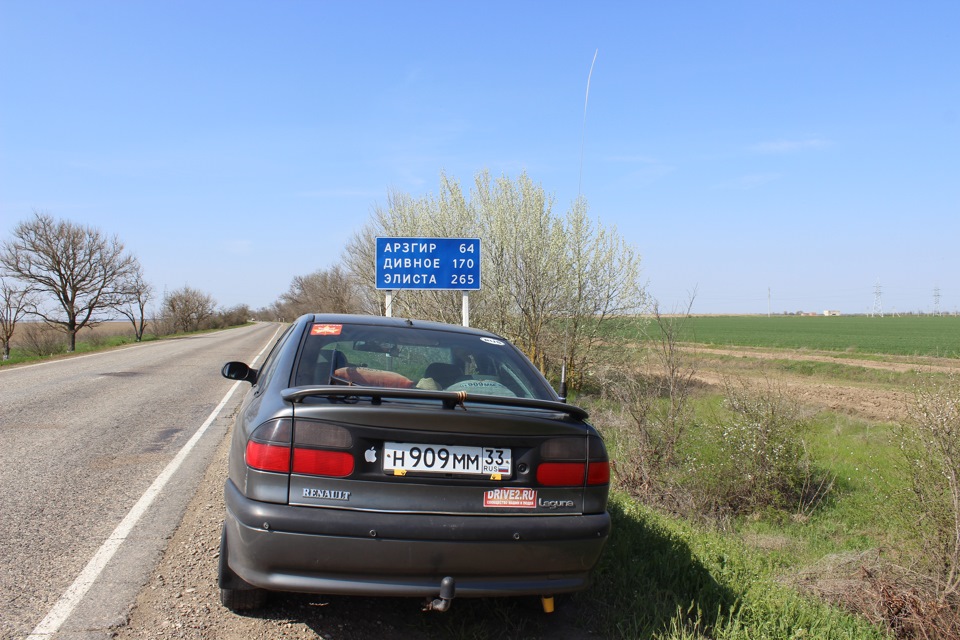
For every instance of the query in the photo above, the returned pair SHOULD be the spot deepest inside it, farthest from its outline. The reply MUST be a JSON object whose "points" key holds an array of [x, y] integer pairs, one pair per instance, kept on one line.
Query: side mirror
{"points": [[239, 371]]}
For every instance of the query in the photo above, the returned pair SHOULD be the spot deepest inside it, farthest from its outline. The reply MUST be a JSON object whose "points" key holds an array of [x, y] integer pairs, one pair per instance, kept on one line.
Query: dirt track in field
{"points": [[903, 364], [869, 401]]}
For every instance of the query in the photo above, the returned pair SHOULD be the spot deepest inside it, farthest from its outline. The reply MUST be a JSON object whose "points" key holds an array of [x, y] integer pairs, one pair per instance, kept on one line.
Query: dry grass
{"points": [[41, 339], [903, 601]]}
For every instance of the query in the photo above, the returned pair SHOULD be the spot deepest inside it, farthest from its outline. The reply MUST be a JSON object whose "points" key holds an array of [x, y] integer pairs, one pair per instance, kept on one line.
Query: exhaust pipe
{"points": [[448, 588]]}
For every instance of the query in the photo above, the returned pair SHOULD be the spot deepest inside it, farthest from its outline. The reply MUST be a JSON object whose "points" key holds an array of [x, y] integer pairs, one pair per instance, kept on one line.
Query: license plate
{"points": [[403, 457]]}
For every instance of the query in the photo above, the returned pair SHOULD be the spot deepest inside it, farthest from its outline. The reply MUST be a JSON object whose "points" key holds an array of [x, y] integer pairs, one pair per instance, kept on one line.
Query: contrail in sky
{"points": [[583, 129]]}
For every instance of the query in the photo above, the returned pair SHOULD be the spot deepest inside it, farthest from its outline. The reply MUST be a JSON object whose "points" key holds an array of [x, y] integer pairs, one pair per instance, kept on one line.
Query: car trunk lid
{"points": [[413, 456]]}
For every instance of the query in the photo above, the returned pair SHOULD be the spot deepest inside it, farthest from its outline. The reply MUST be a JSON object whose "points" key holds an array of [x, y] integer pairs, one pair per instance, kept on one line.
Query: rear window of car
{"points": [[270, 363], [416, 358]]}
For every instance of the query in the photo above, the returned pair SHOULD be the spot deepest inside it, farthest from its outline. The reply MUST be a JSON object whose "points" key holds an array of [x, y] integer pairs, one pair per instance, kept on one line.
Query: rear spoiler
{"points": [[450, 399]]}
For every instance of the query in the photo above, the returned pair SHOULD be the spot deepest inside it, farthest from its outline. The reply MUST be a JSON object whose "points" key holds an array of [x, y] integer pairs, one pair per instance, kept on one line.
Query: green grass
{"points": [[863, 459], [18, 356], [666, 577], [906, 335], [98, 343]]}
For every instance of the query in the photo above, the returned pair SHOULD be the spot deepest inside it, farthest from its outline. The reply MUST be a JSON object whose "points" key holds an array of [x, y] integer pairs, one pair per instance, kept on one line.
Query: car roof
{"points": [[400, 323]]}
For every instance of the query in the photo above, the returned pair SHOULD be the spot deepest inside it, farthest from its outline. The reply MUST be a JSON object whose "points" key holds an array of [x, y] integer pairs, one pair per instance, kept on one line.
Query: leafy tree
{"points": [[446, 215], [602, 282], [77, 267], [529, 274], [550, 281]]}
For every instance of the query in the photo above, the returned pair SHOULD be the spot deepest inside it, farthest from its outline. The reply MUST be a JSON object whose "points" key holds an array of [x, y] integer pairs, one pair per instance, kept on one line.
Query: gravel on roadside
{"points": [[182, 599]]}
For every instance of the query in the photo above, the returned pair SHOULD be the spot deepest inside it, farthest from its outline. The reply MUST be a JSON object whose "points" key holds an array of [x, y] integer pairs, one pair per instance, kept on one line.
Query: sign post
{"points": [[429, 263]]}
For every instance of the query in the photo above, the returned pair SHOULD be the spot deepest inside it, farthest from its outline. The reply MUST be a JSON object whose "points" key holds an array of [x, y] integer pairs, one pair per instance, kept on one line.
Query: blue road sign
{"points": [[428, 263]]}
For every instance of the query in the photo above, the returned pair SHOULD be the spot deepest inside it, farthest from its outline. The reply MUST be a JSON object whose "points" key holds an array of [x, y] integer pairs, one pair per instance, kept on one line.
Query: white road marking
{"points": [[60, 611]]}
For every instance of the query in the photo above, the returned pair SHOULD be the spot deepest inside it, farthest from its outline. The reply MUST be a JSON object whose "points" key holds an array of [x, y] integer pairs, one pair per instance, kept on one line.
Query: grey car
{"points": [[392, 457]]}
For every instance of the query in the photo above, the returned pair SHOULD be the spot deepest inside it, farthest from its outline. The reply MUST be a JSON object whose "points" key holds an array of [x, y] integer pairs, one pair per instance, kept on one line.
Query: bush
{"points": [[654, 394], [761, 461], [931, 448], [235, 316], [40, 340], [927, 604], [187, 309], [746, 457]]}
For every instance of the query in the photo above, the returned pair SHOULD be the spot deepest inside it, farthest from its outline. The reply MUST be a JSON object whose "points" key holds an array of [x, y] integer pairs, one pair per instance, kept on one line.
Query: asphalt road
{"points": [[81, 440]]}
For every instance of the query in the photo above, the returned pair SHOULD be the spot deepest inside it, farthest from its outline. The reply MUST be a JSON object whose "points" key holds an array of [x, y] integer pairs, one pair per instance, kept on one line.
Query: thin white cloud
{"points": [[791, 146]]}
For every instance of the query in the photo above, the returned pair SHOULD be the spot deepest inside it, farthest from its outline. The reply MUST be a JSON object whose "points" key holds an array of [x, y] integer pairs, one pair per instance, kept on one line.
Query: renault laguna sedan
{"points": [[390, 457]]}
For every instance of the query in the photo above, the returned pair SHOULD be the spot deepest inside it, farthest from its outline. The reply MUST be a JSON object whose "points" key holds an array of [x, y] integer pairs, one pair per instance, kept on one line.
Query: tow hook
{"points": [[448, 588]]}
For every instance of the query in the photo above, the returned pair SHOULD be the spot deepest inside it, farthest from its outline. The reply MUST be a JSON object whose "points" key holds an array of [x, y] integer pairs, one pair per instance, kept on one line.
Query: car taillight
{"points": [[560, 474], [572, 462], [268, 457], [317, 462], [598, 472], [316, 449]]}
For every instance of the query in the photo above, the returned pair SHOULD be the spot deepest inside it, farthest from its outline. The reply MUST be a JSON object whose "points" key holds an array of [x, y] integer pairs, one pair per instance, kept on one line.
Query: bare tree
{"points": [[235, 316], [15, 304], [137, 295], [188, 309], [653, 387], [325, 291], [78, 267]]}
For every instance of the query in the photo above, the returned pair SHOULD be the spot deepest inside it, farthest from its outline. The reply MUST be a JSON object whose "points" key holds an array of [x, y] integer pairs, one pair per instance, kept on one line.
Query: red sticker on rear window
{"points": [[326, 329]]}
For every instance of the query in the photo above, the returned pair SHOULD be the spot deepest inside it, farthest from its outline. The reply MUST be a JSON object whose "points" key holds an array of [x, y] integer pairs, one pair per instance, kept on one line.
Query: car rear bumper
{"points": [[307, 549]]}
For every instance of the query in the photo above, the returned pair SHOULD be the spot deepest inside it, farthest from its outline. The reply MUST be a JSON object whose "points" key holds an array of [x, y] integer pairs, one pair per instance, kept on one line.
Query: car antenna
{"points": [[563, 379]]}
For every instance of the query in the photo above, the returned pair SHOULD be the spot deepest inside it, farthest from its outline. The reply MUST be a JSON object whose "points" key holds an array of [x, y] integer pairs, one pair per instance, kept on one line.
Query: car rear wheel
{"points": [[235, 593]]}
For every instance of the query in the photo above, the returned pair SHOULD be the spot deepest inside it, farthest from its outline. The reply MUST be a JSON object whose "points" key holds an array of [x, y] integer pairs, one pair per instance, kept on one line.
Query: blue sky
{"points": [[809, 149]]}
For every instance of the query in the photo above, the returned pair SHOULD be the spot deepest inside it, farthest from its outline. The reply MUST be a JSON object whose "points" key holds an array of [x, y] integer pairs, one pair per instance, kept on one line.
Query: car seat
{"points": [[444, 374]]}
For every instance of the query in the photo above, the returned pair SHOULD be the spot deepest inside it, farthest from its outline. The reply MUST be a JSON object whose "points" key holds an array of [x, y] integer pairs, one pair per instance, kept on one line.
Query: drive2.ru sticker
{"points": [[511, 498]]}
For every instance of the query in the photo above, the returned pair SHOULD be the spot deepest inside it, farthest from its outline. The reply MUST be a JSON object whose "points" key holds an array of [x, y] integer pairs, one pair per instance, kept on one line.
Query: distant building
{"points": [[829, 312]]}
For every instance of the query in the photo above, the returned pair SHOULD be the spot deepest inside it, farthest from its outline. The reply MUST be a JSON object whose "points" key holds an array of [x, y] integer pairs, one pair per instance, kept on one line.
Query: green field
{"points": [[937, 336]]}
